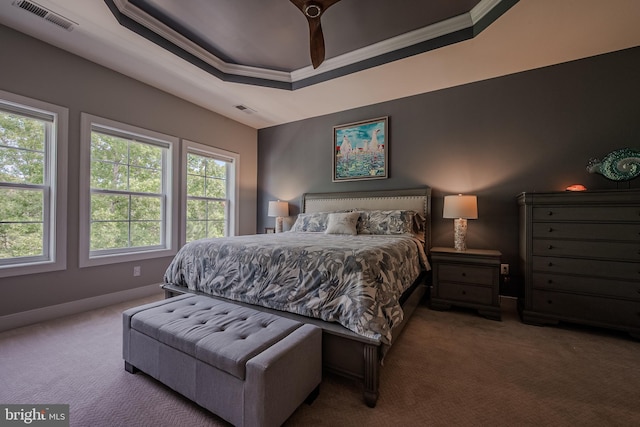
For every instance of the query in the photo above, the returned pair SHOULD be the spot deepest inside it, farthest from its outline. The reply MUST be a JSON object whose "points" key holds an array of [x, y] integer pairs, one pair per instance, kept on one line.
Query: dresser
{"points": [[466, 279], [580, 254]]}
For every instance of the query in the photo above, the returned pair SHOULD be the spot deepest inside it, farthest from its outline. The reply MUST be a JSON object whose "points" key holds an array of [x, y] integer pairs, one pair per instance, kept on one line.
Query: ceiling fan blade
{"points": [[316, 42], [313, 10]]}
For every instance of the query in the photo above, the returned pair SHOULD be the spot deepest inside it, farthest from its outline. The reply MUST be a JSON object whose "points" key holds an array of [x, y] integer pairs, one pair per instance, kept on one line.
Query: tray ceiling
{"points": [[266, 42]]}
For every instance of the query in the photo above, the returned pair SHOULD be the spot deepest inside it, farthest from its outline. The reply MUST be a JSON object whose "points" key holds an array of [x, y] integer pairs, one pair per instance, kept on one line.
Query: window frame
{"points": [[54, 187], [232, 183], [170, 234]]}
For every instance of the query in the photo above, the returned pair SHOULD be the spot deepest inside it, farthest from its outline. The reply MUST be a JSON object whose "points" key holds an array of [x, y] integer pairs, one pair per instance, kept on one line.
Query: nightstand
{"points": [[466, 279]]}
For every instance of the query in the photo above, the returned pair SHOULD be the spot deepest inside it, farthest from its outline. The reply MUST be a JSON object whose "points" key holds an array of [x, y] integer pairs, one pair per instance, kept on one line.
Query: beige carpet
{"points": [[449, 368]]}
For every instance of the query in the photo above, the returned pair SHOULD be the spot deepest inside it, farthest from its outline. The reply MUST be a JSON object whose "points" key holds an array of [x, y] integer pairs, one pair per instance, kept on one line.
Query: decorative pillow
{"points": [[342, 223], [387, 222], [315, 222]]}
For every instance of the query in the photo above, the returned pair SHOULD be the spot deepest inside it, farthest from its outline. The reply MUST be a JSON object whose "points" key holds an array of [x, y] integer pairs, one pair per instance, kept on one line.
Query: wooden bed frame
{"points": [[344, 352]]}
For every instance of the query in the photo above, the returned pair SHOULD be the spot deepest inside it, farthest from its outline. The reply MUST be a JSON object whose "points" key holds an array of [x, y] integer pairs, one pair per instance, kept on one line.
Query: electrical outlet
{"points": [[136, 271], [504, 269]]}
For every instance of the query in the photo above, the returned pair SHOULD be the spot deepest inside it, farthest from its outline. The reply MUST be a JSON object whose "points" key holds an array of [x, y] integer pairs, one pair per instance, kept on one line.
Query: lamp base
{"points": [[460, 234], [279, 221]]}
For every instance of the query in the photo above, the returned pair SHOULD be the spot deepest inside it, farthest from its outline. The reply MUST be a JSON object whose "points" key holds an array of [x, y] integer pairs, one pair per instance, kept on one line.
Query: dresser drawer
{"points": [[467, 274], [466, 293], [587, 231], [587, 249], [586, 267], [587, 285], [586, 213], [595, 310]]}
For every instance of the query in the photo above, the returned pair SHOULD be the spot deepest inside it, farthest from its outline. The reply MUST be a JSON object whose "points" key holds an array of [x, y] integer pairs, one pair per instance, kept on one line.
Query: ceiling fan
{"points": [[313, 10]]}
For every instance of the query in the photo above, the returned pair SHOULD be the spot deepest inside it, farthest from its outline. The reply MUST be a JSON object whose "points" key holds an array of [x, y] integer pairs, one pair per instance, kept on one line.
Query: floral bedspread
{"points": [[353, 280]]}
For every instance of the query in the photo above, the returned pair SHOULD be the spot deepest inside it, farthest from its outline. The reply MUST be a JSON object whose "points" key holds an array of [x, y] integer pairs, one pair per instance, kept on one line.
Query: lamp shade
{"points": [[278, 208], [460, 207]]}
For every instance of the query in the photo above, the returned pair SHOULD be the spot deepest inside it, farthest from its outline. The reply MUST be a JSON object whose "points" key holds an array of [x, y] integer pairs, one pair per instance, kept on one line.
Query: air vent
{"points": [[43, 13], [245, 109]]}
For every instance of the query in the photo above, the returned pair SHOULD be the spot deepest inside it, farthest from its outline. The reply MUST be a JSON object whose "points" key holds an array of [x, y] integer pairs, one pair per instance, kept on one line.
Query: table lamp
{"points": [[460, 208], [279, 210]]}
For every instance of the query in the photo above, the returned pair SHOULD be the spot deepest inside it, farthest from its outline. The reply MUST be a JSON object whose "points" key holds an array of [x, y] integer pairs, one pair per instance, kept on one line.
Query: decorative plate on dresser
{"points": [[580, 252]]}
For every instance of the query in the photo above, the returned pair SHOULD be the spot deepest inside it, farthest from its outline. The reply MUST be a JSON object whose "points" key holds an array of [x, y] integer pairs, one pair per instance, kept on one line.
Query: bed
{"points": [[354, 264]]}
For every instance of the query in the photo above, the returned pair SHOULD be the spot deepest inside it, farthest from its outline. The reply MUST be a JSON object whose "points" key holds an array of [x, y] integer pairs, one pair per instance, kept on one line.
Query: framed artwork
{"points": [[269, 230], [360, 150]]}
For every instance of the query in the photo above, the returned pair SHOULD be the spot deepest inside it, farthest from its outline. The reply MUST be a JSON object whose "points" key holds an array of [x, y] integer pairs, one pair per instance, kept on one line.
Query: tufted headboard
{"points": [[417, 199]]}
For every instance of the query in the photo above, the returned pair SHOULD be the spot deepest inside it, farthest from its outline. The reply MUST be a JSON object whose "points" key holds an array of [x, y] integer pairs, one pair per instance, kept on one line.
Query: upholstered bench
{"points": [[248, 367]]}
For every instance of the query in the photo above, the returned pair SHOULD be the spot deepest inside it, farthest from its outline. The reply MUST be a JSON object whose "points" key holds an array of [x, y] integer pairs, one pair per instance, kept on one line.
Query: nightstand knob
{"points": [[549, 281], [464, 292], [550, 229], [550, 213], [551, 265], [464, 274], [549, 302], [550, 247]]}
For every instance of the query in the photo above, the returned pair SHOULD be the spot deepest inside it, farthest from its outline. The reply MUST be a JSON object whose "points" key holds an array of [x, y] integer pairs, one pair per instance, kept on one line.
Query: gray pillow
{"points": [[387, 222], [315, 222]]}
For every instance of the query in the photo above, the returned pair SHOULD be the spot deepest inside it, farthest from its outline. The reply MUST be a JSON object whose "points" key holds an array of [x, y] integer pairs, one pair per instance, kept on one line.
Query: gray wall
{"points": [[35, 69], [532, 131]]}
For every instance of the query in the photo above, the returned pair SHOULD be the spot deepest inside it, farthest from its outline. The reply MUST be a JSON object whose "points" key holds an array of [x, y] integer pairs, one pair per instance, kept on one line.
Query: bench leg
{"points": [[313, 395], [130, 368]]}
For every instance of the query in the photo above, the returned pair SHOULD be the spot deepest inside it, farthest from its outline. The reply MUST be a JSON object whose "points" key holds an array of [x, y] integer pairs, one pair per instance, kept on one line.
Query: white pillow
{"points": [[342, 223]]}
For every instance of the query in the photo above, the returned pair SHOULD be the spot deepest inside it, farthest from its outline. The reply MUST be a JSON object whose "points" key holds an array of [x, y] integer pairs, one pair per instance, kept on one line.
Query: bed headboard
{"points": [[417, 199]]}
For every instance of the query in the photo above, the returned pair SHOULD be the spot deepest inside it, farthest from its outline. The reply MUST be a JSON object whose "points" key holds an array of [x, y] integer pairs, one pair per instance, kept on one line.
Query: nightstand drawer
{"points": [[467, 293], [466, 274]]}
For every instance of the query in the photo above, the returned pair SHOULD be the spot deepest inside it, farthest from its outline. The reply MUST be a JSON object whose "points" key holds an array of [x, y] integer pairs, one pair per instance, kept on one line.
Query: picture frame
{"points": [[269, 230], [361, 150]]}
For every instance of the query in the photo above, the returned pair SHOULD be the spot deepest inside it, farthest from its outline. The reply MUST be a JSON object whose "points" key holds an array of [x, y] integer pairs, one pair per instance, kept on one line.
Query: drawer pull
{"points": [[549, 301], [464, 292], [551, 281], [550, 247], [464, 274], [550, 213], [550, 229], [551, 265]]}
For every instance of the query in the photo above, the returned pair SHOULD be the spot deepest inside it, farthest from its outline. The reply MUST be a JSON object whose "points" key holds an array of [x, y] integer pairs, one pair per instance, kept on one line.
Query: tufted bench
{"points": [[250, 368]]}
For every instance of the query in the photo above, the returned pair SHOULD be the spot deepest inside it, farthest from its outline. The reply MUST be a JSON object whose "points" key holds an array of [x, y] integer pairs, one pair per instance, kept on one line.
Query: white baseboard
{"points": [[17, 320]]}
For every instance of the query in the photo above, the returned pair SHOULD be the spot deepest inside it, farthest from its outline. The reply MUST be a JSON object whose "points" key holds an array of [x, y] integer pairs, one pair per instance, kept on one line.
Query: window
{"points": [[127, 192], [33, 146], [210, 191]]}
